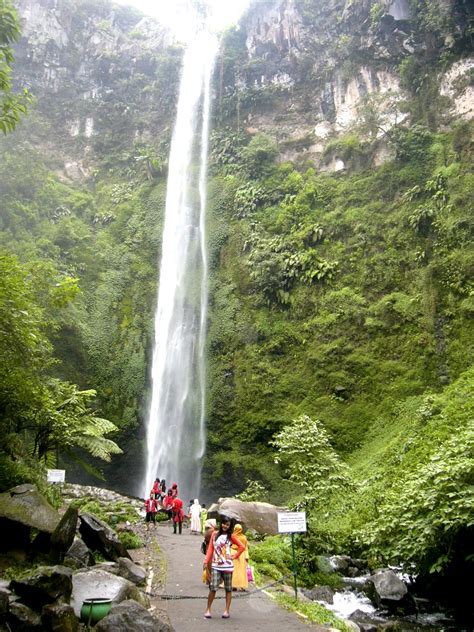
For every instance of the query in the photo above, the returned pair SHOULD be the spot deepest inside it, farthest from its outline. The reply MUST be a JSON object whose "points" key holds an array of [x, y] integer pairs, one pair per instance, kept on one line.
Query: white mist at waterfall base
{"points": [[176, 424]]}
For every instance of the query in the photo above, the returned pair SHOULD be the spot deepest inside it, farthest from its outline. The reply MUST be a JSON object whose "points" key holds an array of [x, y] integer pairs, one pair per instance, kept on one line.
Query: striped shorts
{"points": [[217, 577]]}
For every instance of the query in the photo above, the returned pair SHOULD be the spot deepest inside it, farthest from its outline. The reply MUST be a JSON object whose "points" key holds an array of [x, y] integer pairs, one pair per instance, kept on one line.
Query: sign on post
{"points": [[292, 522], [56, 476]]}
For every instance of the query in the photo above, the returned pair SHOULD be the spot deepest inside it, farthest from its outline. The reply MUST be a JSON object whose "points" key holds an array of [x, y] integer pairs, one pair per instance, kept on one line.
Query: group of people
{"points": [[170, 502], [225, 546], [226, 562], [162, 500]]}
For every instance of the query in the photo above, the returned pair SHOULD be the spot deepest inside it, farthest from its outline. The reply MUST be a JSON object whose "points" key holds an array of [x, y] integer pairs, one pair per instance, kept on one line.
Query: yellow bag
{"points": [[204, 576]]}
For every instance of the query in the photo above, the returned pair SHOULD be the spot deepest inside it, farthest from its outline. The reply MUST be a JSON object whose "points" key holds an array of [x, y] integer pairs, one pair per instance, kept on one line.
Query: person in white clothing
{"points": [[195, 514]]}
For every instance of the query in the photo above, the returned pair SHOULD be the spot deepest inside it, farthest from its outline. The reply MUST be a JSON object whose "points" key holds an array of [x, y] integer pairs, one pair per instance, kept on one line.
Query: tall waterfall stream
{"points": [[176, 417]]}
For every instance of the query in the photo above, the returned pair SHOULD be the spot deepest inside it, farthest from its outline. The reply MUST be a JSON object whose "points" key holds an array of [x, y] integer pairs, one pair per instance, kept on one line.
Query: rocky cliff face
{"points": [[316, 70], [103, 76]]}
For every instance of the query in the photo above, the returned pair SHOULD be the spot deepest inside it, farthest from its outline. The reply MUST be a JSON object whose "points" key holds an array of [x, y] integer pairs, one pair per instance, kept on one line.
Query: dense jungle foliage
{"points": [[349, 300], [340, 328]]}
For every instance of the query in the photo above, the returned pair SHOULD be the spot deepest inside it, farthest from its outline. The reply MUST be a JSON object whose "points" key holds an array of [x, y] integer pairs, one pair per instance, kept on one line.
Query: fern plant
{"points": [[68, 422]]}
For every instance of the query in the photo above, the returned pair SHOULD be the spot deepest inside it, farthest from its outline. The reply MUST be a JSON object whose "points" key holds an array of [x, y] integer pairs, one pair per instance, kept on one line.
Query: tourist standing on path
{"points": [[203, 517], [156, 489], [163, 487], [195, 517], [240, 580], [187, 515], [219, 563], [151, 508], [178, 515], [168, 504], [174, 490]]}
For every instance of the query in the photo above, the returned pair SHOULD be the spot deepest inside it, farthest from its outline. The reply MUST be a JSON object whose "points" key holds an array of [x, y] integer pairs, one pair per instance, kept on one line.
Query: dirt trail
{"points": [[250, 613]]}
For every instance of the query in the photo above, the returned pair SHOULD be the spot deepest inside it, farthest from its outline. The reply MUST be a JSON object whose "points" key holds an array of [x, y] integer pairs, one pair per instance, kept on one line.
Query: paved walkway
{"points": [[249, 613]]}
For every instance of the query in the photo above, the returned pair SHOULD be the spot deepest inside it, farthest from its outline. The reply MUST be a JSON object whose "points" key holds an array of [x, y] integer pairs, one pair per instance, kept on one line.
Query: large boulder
{"points": [[100, 537], [129, 616], [340, 563], [22, 618], [99, 584], [78, 555], [44, 585], [261, 517], [320, 593], [63, 536], [25, 505], [59, 617], [367, 622], [131, 571], [110, 567], [386, 589]]}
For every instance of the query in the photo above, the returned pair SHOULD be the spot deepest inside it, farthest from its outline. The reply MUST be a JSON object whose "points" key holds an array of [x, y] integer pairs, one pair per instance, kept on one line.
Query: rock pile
{"points": [[50, 596]]}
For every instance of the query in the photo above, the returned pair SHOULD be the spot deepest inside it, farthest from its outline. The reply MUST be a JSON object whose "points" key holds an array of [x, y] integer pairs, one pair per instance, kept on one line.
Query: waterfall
{"points": [[176, 418]]}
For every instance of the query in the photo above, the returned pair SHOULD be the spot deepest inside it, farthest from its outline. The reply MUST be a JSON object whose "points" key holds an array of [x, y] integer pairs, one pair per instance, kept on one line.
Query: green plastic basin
{"points": [[94, 610]]}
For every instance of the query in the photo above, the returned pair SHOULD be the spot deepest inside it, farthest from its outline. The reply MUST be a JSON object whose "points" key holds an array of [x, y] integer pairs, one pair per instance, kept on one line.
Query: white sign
{"points": [[56, 476], [292, 522]]}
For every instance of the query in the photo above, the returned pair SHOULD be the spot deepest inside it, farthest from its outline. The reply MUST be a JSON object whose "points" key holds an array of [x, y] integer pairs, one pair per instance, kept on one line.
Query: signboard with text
{"points": [[292, 522], [56, 476]]}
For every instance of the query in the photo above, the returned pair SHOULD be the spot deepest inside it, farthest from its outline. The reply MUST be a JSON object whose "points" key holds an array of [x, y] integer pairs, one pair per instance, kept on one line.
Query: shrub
{"points": [[311, 462], [272, 556], [130, 540], [259, 155]]}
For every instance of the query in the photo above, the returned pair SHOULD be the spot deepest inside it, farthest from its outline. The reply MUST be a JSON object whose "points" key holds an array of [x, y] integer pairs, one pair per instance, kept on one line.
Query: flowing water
{"points": [[176, 418]]}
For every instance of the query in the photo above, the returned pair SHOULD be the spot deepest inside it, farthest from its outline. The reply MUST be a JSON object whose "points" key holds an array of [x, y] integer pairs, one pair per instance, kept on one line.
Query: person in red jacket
{"points": [[151, 508], [156, 489], [178, 514], [168, 504], [219, 563]]}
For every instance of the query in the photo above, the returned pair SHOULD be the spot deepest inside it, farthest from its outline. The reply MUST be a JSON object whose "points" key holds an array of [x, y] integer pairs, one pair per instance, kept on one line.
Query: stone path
{"points": [[250, 613]]}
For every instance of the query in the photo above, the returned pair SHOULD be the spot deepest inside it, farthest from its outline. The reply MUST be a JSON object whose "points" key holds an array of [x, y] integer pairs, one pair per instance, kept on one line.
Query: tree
{"points": [[40, 417], [311, 462], [12, 106]]}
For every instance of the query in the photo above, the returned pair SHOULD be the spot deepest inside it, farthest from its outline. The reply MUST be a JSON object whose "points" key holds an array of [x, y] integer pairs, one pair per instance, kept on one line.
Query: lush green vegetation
{"points": [[312, 611], [12, 105], [130, 540], [40, 415], [59, 231], [112, 513], [341, 322], [340, 329], [361, 349], [82, 245]]}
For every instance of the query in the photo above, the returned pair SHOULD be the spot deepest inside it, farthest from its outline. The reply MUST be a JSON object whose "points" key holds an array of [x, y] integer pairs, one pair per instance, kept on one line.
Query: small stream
{"points": [[379, 600], [348, 602]]}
